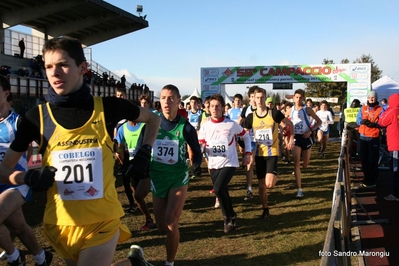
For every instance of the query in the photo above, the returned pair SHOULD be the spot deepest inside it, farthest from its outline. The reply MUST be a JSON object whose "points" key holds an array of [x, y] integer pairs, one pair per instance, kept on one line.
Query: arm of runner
{"points": [[152, 122], [311, 113], [287, 122], [7, 173], [330, 119], [247, 143]]}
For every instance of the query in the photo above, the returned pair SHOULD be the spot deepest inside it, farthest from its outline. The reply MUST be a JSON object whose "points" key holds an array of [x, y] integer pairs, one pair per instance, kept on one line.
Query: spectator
{"points": [[5, 70], [389, 119], [123, 82], [21, 45], [349, 116], [23, 72], [369, 140], [105, 79], [384, 104]]}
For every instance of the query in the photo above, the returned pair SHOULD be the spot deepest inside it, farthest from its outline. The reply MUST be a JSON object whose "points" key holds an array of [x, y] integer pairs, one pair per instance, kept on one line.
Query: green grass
{"points": [[293, 235]]}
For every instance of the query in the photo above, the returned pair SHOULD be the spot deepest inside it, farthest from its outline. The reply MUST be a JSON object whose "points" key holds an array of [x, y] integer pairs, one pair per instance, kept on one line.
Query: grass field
{"points": [[293, 235]]}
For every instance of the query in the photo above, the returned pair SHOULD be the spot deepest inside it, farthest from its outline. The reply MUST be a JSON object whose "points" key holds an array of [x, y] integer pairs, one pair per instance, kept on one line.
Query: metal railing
{"points": [[37, 88], [34, 47], [338, 237]]}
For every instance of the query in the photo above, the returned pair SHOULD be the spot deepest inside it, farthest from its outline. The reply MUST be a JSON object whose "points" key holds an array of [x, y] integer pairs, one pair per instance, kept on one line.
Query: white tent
{"points": [[196, 93], [385, 87]]}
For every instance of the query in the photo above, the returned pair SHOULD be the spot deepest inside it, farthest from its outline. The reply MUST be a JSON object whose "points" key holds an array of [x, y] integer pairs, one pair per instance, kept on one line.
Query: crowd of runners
{"points": [[158, 150]]}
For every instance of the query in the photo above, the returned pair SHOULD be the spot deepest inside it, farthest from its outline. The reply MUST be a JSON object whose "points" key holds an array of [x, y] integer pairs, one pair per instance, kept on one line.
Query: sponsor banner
{"points": [[319, 99], [357, 76]]}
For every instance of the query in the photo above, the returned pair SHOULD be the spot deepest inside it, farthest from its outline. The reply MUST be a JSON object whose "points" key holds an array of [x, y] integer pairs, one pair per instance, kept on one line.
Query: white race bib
{"points": [[264, 136], [218, 148], [79, 173], [166, 151]]}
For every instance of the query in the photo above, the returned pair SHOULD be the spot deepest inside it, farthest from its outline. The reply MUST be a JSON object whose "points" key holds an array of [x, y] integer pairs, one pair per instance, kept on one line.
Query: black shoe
{"points": [[265, 214], [249, 195], [136, 256], [20, 261], [233, 220], [131, 209], [366, 185], [229, 227], [48, 258]]}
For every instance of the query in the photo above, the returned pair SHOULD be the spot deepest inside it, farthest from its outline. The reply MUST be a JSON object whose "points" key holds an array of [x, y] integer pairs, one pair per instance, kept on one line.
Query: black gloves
{"points": [[197, 170], [138, 166], [371, 124], [368, 123], [40, 180]]}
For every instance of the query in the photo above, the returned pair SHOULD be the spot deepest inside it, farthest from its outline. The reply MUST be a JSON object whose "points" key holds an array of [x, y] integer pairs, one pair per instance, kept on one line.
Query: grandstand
{"points": [[91, 21]]}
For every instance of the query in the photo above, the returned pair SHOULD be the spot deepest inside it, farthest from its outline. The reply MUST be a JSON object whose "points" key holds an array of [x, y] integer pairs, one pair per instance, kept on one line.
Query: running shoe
{"points": [[149, 224], [233, 220], [299, 194], [391, 197], [365, 185], [48, 258], [265, 214], [249, 195], [217, 203], [131, 209], [3, 256], [136, 254], [322, 155], [20, 261], [227, 228]]}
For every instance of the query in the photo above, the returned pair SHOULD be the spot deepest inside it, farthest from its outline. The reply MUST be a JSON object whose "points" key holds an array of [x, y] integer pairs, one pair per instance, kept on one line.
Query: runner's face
{"points": [[62, 72], [237, 102], [252, 99], [298, 99], [216, 109], [193, 104], [120, 94], [260, 99], [169, 101]]}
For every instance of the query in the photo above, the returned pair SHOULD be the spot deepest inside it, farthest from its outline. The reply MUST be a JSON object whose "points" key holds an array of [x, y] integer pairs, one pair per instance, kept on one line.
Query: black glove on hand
{"points": [[364, 122], [40, 180], [371, 124], [197, 170], [138, 166]]}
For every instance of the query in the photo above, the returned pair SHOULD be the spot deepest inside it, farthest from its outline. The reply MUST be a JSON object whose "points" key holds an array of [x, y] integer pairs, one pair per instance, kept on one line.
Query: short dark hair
{"points": [[300, 91], [173, 88], [207, 99], [4, 83], [195, 98], [239, 96], [219, 98], [68, 44], [123, 90], [251, 90]]}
